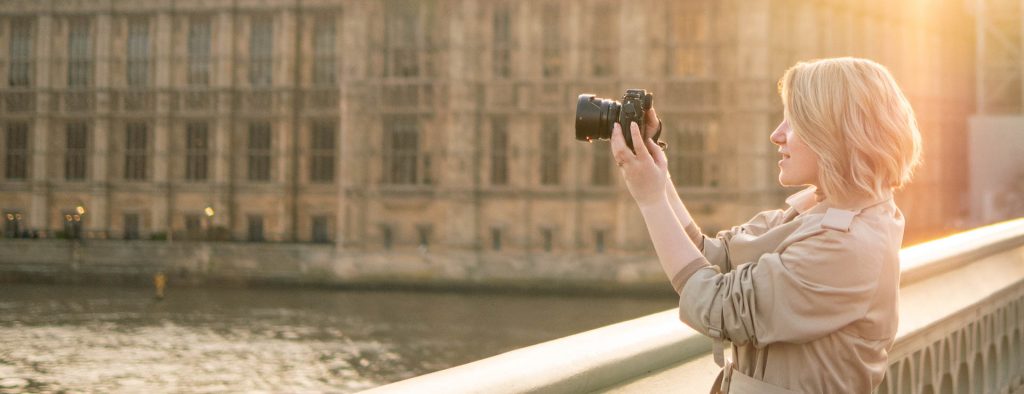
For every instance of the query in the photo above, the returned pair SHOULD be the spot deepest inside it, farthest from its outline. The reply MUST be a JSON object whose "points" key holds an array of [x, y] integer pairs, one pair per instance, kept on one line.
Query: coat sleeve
{"points": [[814, 287], [716, 249]]}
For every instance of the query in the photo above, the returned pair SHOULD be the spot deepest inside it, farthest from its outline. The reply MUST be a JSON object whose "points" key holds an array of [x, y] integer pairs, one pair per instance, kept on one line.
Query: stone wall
{"points": [[215, 263]]}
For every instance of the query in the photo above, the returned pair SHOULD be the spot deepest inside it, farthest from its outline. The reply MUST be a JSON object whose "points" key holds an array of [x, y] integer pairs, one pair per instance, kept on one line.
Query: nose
{"points": [[778, 136]]}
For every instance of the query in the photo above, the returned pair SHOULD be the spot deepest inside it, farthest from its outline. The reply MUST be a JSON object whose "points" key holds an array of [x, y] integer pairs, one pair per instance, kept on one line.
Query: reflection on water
{"points": [[58, 338]]}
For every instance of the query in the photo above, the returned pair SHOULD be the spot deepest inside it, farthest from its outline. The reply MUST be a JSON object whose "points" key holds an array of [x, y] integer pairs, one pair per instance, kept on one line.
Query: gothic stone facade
{"points": [[441, 125]]}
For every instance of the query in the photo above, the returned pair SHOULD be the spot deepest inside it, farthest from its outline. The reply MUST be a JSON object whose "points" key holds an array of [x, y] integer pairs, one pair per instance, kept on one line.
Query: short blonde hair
{"points": [[851, 113]]}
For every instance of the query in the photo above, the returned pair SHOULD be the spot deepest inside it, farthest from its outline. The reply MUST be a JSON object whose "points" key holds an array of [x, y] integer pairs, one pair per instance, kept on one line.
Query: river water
{"points": [[57, 338]]}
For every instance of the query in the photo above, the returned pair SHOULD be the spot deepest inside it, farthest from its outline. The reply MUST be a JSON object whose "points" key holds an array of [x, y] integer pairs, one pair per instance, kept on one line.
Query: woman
{"points": [[807, 295]]}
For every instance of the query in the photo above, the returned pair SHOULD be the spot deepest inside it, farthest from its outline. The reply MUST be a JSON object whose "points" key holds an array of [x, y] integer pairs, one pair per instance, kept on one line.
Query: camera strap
{"points": [[657, 135]]}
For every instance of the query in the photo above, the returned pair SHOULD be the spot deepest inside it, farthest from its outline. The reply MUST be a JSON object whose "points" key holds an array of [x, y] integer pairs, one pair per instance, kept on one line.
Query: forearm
{"points": [[678, 256], [683, 215]]}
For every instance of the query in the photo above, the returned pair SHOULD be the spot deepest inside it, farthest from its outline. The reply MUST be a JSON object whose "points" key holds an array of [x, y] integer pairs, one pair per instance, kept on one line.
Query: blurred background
{"points": [[428, 145]]}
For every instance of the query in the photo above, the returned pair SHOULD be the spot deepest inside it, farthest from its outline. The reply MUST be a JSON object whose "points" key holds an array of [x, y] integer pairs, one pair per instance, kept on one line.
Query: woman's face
{"points": [[799, 165]]}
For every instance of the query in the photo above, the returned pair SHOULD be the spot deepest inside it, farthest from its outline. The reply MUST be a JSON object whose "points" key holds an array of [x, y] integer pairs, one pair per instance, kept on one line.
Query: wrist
{"points": [[657, 206]]}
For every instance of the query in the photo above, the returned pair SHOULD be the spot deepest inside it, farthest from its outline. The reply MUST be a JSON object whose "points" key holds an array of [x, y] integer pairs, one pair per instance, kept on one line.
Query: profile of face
{"points": [[799, 165]]}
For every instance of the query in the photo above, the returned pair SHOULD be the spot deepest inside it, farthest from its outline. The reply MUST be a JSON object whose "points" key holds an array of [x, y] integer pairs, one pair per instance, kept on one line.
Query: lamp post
{"points": [[14, 224], [75, 222], [209, 222]]}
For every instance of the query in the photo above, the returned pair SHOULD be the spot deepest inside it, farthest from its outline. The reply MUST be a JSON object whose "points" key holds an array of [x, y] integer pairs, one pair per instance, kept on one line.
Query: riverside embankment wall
{"points": [[201, 263]]}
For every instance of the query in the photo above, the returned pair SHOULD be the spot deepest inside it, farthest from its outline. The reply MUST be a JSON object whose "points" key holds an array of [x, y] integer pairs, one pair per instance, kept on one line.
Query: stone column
{"points": [[286, 47], [342, 178], [758, 102], [463, 126], [353, 23], [357, 163], [460, 166], [163, 208], [221, 131], [98, 215], [39, 212]]}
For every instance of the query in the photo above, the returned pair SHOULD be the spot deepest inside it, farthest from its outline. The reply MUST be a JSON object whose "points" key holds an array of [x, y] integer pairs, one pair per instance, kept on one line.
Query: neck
{"points": [[819, 195], [855, 201]]}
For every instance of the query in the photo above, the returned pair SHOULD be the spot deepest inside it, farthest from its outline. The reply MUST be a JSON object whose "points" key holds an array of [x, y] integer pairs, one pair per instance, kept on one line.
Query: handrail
{"points": [[934, 257], [620, 352], [576, 363]]}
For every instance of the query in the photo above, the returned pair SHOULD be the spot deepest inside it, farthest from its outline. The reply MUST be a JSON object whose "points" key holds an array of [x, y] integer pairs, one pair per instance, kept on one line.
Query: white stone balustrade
{"points": [[961, 322]]}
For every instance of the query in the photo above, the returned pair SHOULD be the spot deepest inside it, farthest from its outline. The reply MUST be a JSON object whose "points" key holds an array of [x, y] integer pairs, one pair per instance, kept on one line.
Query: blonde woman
{"points": [[806, 295]]}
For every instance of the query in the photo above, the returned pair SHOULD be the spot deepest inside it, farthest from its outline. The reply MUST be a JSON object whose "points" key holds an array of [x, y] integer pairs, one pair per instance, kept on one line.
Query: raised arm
{"points": [[646, 174], [716, 247], [683, 215], [653, 122]]}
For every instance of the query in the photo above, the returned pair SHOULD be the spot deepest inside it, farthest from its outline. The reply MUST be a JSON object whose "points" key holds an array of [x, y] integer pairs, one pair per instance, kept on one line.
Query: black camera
{"points": [[595, 116]]}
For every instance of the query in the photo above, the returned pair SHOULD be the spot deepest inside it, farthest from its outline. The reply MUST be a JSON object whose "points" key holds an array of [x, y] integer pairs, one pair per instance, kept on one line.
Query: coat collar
{"points": [[809, 199], [803, 200]]}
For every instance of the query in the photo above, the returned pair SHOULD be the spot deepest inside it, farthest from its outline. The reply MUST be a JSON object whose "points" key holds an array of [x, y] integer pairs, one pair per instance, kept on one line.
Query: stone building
{"points": [[440, 125], [997, 128]]}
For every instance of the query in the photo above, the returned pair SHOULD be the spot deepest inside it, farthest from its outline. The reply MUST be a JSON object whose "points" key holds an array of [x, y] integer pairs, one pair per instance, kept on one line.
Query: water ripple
{"points": [[117, 340]]}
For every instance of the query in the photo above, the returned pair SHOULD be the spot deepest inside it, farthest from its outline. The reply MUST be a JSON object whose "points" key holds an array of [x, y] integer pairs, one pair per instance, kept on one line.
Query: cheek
{"points": [[808, 163], [805, 159]]}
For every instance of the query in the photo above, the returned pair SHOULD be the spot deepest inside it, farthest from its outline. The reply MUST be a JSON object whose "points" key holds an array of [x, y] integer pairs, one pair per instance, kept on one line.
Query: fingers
{"points": [[656, 152], [620, 151], [651, 123], [638, 145]]}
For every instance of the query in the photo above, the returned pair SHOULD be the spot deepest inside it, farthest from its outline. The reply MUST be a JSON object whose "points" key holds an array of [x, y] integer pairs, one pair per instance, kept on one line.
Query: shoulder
{"points": [[833, 258], [837, 220], [873, 227], [878, 228], [822, 236], [845, 243]]}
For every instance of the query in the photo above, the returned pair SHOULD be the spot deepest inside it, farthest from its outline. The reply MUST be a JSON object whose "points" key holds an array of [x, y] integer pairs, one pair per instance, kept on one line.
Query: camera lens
{"points": [[595, 117]]}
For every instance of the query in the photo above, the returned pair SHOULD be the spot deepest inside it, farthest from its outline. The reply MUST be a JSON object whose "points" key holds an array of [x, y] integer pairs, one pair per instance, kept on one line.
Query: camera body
{"points": [[596, 116], [635, 103]]}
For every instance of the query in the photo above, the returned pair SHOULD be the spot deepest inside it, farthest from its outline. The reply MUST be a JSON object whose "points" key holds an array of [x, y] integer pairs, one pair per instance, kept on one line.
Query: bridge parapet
{"points": [[961, 327]]}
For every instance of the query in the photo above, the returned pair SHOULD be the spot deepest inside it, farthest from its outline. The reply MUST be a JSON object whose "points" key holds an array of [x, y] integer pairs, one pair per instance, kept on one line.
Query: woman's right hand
{"points": [[644, 170]]}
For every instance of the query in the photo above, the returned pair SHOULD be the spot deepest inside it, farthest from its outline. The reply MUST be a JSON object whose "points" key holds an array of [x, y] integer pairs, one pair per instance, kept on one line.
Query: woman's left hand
{"points": [[646, 171]]}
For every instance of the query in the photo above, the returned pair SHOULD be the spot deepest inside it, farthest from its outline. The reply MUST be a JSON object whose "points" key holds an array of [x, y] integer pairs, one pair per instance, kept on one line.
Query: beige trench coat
{"points": [[808, 296]]}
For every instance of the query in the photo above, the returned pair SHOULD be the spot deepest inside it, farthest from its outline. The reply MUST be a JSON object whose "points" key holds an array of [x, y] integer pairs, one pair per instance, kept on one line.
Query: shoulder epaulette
{"points": [[838, 219]]}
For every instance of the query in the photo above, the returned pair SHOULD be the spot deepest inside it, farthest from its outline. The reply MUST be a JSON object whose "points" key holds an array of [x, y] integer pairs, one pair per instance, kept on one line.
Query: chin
{"points": [[784, 182], [790, 183], [787, 180]]}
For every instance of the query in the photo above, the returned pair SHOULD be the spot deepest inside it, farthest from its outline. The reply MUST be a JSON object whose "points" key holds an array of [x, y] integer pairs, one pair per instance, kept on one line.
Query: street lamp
{"points": [[14, 224], [74, 222], [209, 222]]}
